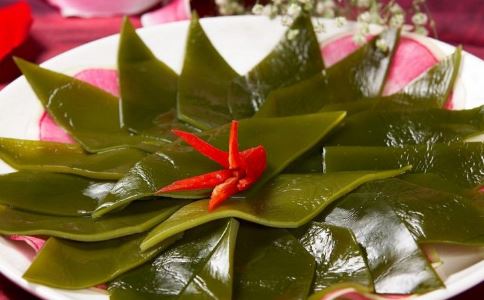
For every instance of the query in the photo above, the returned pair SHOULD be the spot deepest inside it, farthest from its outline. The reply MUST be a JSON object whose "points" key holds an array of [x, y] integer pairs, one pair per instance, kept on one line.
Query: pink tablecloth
{"points": [[458, 22]]}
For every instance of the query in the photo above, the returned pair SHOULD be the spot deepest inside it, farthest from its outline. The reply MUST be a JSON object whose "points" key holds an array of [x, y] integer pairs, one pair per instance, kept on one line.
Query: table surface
{"points": [[458, 23]]}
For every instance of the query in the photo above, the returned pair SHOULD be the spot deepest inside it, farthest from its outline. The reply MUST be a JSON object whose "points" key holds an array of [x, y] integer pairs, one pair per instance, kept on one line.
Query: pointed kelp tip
{"points": [[131, 46], [23, 64]]}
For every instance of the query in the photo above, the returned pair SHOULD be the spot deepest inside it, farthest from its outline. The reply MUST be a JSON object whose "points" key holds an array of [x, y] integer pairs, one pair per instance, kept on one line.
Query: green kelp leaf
{"points": [[437, 182], [138, 217], [271, 264], [338, 256], [148, 86], [437, 83], [432, 215], [289, 201], [51, 193], [89, 114], [396, 263], [292, 60], [67, 158], [359, 75], [176, 162], [204, 82], [346, 291], [199, 266], [462, 163], [400, 128], [76, 265]]}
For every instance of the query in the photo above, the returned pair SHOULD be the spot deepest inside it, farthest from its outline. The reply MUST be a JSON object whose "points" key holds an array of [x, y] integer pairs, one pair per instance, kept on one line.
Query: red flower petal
{"points": [[102, 78], [101, 8], [176, 10], [255, 162], [15, 21], [234, 155], [34, 242]]}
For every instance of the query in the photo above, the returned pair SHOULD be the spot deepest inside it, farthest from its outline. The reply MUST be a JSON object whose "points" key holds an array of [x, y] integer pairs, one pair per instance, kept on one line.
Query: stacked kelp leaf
{"points": [[331, 211]]}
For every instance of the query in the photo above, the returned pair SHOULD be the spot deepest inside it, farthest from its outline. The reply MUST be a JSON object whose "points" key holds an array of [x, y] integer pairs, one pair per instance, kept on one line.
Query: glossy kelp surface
{"points": [[138, 218], [52, 193], [461, 163], [399, 128], [148, 86], [89, 264], [200, 266], [396, 263], [178, 162], [361, 74], [204, 82], [338, 256], [271, 264], [90, 115], [292, 60], [68, 158], [432, 215], [288, 201]]}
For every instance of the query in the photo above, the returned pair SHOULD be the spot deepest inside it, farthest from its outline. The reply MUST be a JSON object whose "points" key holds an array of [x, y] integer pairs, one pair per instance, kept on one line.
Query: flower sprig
{"points": [[387, 13]]}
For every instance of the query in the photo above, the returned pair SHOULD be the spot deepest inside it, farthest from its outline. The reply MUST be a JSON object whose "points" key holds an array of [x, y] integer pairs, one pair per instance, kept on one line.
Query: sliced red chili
{"points": [[219, 156], [241, 169], [223, 192], [204, 181]]}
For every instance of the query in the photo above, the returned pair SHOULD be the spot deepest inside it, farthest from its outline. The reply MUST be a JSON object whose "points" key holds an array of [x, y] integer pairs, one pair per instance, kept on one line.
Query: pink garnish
{"points": [[101, 8], [176, 10], [102, 78], [34, 242]]}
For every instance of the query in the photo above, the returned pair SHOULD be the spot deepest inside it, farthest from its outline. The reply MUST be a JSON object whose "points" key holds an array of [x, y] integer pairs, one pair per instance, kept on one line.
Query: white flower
{"points": [[286, 20], [364, 17], [420, 19], [291, 34], [340, 21], [319, 28], [257, 9], [421, 30], [293, 10], [397, 20], [382, 45], [363, 3]]}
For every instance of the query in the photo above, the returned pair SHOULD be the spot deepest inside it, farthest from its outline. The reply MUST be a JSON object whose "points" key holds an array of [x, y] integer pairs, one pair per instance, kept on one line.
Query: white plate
{"points": [[243, 41]]}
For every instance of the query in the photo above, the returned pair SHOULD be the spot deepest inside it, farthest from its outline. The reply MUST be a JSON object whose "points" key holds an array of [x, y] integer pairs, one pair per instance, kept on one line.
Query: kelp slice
{"points": [[176, 162], [89, 114], [338, 256], [204, 82], [76, 265], [432, 215], [461, 163], [67, 158], [271, 264], [293, 59], [399, 128], [288, 201], [199, 266], [397, 264], [148, 86], [361, 74], [137, 218], [51, 193], [310, 95]]}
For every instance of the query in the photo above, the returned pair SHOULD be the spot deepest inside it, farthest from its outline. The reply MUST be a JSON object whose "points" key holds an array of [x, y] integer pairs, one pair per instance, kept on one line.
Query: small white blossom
{"points": [[359, 39], [397, 20], [319, 28], [320, 7], [303, 1], [363, 3], [287, 20], [340, 21], [421, 30], [257, 9], [396, 9], [291, 34], [419, 19], [329, 13], [364, 17], [293, 10], [382, 45]]}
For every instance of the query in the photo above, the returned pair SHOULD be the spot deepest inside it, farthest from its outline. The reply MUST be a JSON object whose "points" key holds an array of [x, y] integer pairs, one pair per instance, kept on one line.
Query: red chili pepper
{"points": [[241, 169]]}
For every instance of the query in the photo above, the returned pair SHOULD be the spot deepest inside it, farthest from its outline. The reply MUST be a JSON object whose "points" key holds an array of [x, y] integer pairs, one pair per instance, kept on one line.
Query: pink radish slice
{"points": [[410, 60], [102, 78], [338, 48], [354, 294], [101, 8], [176, 10], [34, 242]]}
